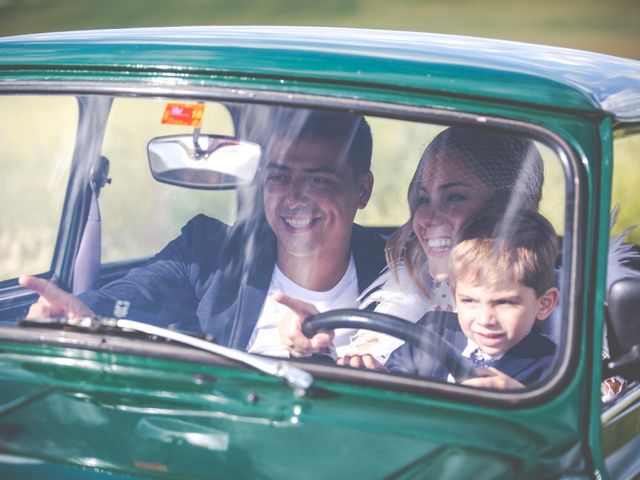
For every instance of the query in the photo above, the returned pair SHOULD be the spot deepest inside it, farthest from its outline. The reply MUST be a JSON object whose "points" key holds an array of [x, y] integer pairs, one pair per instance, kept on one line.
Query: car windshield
{"points": [[241, 221]]}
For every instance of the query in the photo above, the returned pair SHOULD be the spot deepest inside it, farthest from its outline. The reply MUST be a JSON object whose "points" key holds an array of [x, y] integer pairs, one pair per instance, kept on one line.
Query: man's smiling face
{"points": [[311, 196]]}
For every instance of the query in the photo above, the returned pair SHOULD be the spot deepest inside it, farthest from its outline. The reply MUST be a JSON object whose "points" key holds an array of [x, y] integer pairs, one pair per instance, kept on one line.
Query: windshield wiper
{"points": [[297, 378]]}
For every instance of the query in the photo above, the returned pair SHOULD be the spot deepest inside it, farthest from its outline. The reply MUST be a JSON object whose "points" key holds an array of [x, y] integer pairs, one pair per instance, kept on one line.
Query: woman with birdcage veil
{"points": [[462, 172]]}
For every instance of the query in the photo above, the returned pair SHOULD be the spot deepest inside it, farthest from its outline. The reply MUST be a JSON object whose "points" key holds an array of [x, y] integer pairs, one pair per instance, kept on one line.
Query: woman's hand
{"points": [[361, 361]]}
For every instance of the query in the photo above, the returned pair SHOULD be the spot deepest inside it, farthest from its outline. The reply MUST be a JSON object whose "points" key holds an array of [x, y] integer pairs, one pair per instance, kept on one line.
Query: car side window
{"points": [[431, 180], [624, 245], [139, 214], [624, 195], [37, 136]]}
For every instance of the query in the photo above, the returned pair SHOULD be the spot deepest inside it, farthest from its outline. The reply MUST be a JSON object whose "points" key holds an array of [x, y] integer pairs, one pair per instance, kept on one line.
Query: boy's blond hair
{"points": [[500, 247]]}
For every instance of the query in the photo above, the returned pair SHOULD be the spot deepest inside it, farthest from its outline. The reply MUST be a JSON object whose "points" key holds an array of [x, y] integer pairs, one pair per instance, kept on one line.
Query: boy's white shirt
{"points": [[265, 339]]}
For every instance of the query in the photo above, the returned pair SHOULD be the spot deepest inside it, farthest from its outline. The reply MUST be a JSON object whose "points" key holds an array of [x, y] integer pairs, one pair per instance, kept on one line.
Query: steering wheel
{"points": [[417, 335]]}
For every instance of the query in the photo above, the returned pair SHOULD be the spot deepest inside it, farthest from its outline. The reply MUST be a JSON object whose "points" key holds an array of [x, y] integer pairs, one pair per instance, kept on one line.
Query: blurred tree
{"points": [[611, 27]]}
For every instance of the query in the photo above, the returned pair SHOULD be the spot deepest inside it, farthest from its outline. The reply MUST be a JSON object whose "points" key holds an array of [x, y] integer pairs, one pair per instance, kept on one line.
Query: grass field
{"points": [[611, 27]]}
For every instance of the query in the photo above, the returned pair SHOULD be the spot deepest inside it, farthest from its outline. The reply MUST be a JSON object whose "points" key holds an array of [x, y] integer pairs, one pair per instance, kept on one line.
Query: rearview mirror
{"points": [[204, 161]]}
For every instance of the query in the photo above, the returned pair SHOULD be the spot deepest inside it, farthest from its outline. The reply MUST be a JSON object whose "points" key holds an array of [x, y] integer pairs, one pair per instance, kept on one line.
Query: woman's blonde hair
{"points": [[510, 166]]}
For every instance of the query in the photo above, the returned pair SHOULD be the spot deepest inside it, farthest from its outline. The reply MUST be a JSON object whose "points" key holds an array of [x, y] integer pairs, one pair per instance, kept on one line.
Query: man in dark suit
{"points": [[296, 235]]}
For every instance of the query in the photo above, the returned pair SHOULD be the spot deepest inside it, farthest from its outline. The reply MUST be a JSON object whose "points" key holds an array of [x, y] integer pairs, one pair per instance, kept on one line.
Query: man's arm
{"points": [[161, 292], [53, 301], [164, 291]]}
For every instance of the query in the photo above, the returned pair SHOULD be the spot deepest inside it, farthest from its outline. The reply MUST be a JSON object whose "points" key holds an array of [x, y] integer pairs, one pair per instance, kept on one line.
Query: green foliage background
{"points": [[611, 26]]}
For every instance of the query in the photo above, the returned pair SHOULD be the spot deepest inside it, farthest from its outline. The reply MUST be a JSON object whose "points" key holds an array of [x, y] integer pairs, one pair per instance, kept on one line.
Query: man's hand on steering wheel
{"points": [[290, 328]]}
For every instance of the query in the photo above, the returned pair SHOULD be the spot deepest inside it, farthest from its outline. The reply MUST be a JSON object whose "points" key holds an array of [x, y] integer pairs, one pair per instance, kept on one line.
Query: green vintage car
{"points": [[137, 167]]}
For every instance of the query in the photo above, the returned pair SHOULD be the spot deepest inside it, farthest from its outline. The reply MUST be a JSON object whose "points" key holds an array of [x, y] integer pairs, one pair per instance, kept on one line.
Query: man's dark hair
{"points": [[350, 130]]}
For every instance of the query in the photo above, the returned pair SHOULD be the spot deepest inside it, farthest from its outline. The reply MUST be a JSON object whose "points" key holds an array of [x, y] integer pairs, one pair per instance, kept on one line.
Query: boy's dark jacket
{"points": [[527, 362]]}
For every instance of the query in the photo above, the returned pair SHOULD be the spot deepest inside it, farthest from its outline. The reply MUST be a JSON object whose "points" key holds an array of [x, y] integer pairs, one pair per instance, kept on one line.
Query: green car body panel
{"points": [[83, 413]]}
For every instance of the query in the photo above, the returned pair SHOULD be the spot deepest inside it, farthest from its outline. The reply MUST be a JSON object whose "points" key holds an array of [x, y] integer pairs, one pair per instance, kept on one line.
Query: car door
{"points": [[621, 407]]}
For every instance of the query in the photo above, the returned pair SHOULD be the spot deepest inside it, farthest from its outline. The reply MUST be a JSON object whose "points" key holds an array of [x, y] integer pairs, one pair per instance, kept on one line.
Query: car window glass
{"points": [[618, 387], [430, 181], [36, 141], [396, 141], [624, 195], [433, 185], [140, 214], [624, 250]]}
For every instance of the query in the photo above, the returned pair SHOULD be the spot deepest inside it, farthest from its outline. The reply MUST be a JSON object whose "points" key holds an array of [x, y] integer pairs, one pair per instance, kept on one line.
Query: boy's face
{"points": [[497, 318]]}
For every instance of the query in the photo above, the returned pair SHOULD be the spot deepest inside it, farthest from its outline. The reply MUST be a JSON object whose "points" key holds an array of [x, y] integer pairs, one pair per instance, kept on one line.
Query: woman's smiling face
{"points": [[448, 195]]}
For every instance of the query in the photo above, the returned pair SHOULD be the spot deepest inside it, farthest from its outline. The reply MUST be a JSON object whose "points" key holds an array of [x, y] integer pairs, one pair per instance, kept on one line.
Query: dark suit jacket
{"points": [[214, 279], [526, 362]]}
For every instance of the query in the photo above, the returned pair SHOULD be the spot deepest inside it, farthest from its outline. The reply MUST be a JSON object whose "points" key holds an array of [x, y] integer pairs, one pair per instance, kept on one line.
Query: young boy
{"points": [[502, 275]]}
